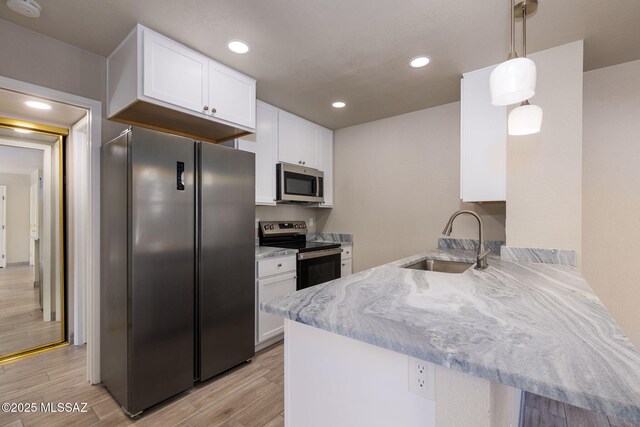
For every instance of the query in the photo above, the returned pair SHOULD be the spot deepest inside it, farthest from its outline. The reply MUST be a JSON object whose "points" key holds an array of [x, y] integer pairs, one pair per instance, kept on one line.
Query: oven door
{"points": [[318, 267], [299, 184]]}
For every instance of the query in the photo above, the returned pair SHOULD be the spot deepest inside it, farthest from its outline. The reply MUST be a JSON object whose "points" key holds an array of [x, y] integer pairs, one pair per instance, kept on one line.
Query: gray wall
{"points": [[544, 170], [611, 191], [68, 68], [397, 181], [287, 213], [18, 207]]}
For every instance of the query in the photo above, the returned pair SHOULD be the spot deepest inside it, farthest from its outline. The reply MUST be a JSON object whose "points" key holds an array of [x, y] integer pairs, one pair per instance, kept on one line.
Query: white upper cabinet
{"points": [[283, 137], [232, 95], [174, 74], [156, 82], [263, 143], [288, 140], [325, 164], [297, 140], [309, 135], [483, 141]]}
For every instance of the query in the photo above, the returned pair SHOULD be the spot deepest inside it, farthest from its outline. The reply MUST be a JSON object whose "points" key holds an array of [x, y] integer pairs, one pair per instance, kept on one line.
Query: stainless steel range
{"points": [[318, 262]]}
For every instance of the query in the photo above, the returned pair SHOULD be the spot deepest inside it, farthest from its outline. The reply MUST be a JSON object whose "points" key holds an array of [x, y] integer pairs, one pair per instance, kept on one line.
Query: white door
{"points": [[268, 324], [173, 73], [288, 139], [232, 95], [325, 151], [263, 144], [308, 133], [3, 227]]}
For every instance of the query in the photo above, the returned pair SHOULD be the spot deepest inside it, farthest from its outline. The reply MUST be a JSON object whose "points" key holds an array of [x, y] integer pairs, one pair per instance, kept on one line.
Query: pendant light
{"points": [[525, 119], [514, 80]]}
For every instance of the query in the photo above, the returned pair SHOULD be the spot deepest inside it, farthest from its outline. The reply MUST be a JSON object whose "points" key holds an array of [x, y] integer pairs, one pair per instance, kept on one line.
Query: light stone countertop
{"points": [[263, 252], [536, 327]]}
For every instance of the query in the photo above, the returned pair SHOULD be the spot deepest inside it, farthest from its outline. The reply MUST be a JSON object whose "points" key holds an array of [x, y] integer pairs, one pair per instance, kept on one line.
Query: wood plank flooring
{"points": [[21, 323], [251, 395], [543, 412]]}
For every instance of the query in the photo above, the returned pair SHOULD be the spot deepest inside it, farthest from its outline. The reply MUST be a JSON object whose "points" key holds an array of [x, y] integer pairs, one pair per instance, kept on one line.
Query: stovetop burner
{"points": [[304, 246]]}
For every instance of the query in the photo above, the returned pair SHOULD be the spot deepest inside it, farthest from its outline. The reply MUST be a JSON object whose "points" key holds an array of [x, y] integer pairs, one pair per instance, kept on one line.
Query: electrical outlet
{"points": [[422, 378], [311, 222]]}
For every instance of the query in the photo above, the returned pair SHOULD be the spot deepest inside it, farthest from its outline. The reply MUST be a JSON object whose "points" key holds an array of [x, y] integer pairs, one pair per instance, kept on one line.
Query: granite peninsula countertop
{"points": [[536, 327]]}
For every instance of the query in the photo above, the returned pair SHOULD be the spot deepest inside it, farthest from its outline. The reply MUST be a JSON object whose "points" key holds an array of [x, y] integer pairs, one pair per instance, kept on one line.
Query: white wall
{"points": [[611, 191], [397, 181], [544, 170], [18, 186]]}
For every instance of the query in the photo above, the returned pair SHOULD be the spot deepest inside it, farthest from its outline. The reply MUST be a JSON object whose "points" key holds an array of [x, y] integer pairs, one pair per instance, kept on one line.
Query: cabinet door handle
{"points": [[205, 108], [213, 110], [279, 265], [343, 264], [299, 162], [304, 163]]}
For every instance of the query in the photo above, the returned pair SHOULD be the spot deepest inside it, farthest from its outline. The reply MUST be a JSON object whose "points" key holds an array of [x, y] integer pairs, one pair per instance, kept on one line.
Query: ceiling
{"points": [[12, 105], [20, 160], [307, 54]]}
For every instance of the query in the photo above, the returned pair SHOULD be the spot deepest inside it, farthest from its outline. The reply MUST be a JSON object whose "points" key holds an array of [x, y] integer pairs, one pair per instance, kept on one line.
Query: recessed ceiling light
{"points": [[38, 105], [238, 46], [339, 104], [22, 130], [419, 61]]}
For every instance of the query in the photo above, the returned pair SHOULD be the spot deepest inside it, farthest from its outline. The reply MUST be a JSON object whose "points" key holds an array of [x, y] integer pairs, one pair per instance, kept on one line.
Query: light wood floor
{"points": [[251, 395], [540, 411], [21, 324]]}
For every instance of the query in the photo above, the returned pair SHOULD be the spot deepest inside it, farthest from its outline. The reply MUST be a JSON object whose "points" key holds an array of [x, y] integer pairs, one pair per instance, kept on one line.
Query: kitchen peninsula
{"points": [[351, 345]]}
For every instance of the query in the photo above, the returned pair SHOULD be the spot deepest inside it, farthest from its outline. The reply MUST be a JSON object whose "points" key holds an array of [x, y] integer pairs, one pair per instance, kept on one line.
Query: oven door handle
{"points": [[318, 254]]}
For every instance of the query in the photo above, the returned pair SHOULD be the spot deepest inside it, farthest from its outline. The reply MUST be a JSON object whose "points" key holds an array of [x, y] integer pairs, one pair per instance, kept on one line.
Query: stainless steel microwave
{"points": [[299, 184]]}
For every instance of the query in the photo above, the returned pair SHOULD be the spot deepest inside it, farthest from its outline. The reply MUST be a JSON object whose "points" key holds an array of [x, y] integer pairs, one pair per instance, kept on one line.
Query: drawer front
{"points": [[268, 324], [346, 252], [269, 267], [345, 268]]}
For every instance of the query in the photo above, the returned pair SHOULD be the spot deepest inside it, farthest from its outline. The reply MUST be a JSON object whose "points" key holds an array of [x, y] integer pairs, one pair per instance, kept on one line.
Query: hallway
{"points": [[21, 324]]}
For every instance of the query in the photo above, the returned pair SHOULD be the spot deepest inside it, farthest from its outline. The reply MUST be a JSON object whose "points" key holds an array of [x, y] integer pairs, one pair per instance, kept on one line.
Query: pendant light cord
{"points": [[524, 29], [513, 53]]}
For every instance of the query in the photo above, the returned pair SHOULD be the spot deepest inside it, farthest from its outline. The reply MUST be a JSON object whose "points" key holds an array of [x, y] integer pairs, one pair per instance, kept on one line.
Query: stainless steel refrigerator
{"points": [[177, 271]]}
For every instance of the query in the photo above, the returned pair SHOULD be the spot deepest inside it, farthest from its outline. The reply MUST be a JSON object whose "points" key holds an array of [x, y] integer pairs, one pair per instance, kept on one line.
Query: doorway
{"points": [[32, 279], [85, 186]]}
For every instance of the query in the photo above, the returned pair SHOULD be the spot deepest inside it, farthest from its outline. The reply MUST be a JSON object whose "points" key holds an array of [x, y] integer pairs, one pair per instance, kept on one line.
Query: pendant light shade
{"points": [[525, 119], [513, 81]]}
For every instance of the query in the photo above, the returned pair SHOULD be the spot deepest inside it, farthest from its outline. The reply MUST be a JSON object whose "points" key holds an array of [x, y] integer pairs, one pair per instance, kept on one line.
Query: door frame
{"points": [[48, 225], [91, 211], [3, 260]]}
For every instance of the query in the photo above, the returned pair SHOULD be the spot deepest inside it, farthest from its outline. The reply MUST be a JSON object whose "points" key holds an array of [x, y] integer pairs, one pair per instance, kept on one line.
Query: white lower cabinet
{"points": [[275, 277], [346, 267]]}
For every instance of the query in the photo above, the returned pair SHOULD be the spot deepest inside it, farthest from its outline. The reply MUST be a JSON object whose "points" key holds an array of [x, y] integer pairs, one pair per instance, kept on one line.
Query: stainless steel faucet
{"points": [[481, 261]]}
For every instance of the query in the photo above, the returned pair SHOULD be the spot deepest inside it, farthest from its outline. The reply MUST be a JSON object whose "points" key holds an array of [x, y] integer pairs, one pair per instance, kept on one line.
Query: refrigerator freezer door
{"points": [[227, 259], [162, 268], [114, 291]]}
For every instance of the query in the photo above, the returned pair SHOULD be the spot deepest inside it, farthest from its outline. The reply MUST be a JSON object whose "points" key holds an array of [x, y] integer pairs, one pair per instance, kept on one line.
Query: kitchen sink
{"points": [[440, 266]]}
